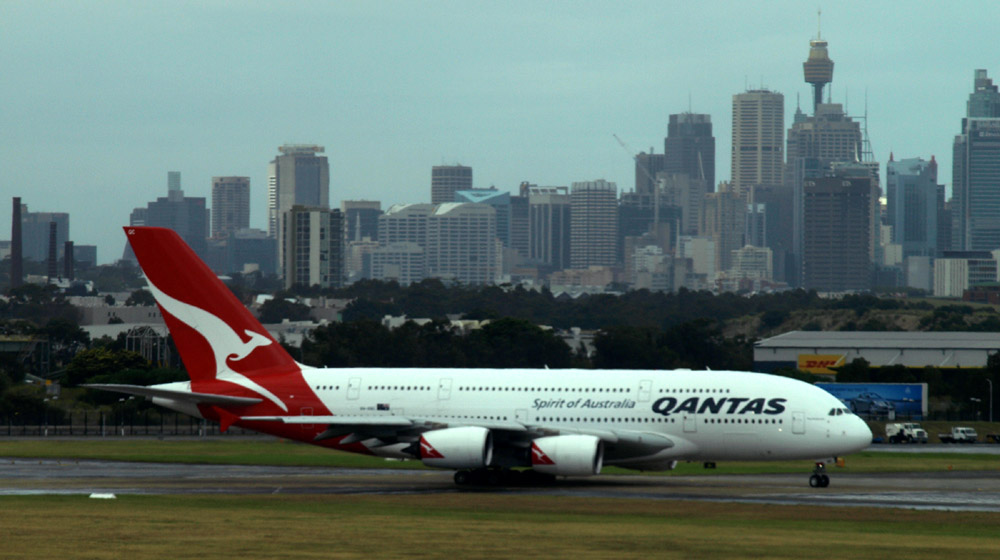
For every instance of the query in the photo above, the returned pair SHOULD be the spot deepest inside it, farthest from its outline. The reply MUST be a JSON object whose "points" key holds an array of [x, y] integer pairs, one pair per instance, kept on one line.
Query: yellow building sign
{"points": [[820, 363]]}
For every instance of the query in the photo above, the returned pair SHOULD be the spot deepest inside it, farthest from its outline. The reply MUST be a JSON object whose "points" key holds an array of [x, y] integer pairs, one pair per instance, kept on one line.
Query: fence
{"points": [[111, 424]]}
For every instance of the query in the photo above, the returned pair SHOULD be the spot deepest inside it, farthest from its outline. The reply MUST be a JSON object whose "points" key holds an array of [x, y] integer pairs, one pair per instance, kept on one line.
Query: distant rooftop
{"points": [[880, 339]]}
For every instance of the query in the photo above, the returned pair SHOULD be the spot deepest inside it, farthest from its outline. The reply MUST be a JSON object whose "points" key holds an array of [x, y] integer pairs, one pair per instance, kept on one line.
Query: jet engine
{"points": [[468, 447], [572, 455]]}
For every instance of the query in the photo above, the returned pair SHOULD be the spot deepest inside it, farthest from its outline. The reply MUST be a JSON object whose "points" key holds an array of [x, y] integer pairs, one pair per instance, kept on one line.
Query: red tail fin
{"points": [[215, 334]]}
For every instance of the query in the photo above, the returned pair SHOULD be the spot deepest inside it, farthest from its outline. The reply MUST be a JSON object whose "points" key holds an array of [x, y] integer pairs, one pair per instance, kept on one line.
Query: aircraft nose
{"points": [[859, 435]]}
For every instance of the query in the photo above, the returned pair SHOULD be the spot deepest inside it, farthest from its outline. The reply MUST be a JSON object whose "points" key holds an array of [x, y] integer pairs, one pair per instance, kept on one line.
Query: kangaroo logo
{"points": [[225, 342]]}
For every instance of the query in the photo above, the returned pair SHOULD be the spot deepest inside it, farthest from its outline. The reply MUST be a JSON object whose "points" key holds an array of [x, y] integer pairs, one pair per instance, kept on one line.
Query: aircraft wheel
{"points": [[463, 478], [815, 481], [824, 481]]}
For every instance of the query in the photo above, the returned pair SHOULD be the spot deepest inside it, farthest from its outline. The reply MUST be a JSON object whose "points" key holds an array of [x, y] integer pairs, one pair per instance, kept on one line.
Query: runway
{"points": [[951, 491]]}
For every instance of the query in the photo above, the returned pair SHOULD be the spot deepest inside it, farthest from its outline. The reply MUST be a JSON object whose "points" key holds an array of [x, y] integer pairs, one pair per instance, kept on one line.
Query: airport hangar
{"points": [[818, 351]]}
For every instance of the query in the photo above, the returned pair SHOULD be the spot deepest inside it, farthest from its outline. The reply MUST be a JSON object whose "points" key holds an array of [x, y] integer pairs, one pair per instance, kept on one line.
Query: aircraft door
{"points": [[444, 389], [645, 388], [690, 423], [521, 415], [353, 388], [798, 423]]}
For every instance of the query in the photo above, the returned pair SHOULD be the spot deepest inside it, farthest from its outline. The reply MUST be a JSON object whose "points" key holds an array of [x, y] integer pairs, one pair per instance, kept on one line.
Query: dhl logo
{"points": [[820, 363]]}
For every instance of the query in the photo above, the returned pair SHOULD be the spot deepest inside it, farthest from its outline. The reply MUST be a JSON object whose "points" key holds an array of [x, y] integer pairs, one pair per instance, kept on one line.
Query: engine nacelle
{"points": [[468, 447], [572, 455]]}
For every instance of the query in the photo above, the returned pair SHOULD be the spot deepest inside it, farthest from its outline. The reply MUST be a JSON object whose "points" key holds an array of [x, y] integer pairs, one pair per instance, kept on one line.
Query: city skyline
{"points": [[532, 93]]}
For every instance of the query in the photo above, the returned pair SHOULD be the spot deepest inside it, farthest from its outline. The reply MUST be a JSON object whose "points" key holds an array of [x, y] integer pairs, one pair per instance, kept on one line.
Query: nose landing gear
{"points": [[819, 478]]}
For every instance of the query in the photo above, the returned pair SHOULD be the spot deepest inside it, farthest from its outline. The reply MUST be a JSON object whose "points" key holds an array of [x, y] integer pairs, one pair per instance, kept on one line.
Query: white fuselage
{"points": [[708, 415]]}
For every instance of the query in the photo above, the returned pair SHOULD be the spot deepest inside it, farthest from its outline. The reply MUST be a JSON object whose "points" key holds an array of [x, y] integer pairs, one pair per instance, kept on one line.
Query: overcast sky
{"points": [[101, 99]]}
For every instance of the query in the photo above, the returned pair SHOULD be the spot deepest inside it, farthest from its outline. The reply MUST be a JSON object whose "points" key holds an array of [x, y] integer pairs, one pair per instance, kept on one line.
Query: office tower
{"points": [[912, 205], [243, 251], [16, 245], [814, 144], [519, 221], [35, 230], [313, 252], [53, 263], [296, 177], [686, 194], [361, 219], [405, 223], [549, 226], [173, 181], [183, 214], [752, 262], [462, 243], [230, 205], [446, 180], [723, 219], [593, 223], [690, 147], [401, 262], [758, 154], [838, 240], [975, 171], [500, 201], [84, 256], [646, 168]]}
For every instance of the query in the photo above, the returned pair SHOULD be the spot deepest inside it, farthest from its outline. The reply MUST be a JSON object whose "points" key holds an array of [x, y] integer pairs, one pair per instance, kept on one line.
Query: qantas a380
{"points": [[479, 422]]}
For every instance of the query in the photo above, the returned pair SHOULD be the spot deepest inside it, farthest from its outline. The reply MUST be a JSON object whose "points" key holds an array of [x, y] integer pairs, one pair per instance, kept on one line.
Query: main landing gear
{"points": [[819, 478]]}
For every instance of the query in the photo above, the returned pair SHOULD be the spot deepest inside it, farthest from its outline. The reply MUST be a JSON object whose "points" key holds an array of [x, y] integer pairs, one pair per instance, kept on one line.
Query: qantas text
{"points": [[725, 405]]}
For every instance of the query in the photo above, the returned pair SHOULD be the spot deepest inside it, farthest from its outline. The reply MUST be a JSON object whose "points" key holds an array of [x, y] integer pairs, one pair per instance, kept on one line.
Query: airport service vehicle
{"points": [[908, 432], [959, 434], [482, 423]]}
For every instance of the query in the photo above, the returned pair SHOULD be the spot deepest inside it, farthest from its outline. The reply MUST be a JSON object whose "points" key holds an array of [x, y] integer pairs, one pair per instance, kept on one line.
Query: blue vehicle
{"points": [[871, 404]]}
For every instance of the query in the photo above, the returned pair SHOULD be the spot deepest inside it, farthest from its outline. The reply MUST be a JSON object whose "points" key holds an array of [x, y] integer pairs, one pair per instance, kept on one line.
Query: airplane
{"points": [[485, 424]]}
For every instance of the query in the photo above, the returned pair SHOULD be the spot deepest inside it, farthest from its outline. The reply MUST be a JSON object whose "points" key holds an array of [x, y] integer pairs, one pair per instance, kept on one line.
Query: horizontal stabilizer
{"points": [[174, 394]]}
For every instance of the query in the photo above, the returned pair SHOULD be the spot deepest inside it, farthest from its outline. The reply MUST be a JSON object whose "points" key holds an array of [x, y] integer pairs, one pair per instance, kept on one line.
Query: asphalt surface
{"points": [[955, 491]]}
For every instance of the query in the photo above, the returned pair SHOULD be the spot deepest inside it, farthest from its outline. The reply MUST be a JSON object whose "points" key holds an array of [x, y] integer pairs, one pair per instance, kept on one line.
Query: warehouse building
{"points": [[819, 352]]}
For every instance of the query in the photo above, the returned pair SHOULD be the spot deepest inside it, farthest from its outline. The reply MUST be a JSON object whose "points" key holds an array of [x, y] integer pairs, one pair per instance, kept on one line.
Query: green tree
{"points": [[102, 361]]}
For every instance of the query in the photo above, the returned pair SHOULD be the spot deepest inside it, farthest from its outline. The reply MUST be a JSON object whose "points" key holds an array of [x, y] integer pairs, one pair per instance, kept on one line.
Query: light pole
{"points": [[990, 381]]}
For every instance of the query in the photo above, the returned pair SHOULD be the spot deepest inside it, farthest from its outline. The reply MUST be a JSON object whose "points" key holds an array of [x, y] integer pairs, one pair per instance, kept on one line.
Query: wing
{"points": [[385, 430]]}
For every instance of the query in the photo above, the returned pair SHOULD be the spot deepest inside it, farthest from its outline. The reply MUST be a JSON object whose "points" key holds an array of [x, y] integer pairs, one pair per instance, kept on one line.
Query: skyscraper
{"points": [[186, 215], [230, 205], [723, 219], [313, 252], [838, 234], [975, 171], [462, 243], [499, 200], [296, 177], [549, 226], [593, 224], [758, 154], [814, 145], [690, 147], [912, 205], [35, 231], [447, 179], [361, 218]]}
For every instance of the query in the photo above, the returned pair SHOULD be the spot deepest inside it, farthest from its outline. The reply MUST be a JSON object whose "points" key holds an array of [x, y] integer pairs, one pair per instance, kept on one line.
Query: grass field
{"points": [[473, 525], [279, 452], [464, 524]]}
